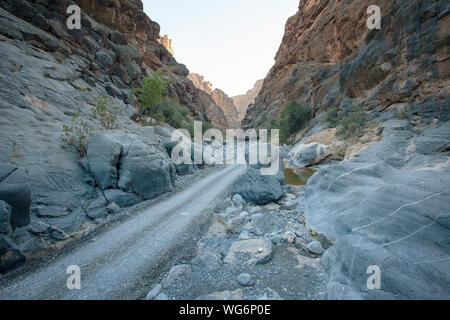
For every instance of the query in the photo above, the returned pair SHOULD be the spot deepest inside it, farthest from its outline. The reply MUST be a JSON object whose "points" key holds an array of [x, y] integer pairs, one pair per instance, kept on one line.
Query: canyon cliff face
{"points": [[219, 97], [228, 107], [242, 102], [329, 58], [52, 76], [128, 18]]}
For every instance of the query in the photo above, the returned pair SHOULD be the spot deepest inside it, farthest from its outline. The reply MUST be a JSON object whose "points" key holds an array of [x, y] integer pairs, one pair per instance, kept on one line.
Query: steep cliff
{"points": [[329, 58], [243, 101], [228, 107], [51, 79], [219, 97]]}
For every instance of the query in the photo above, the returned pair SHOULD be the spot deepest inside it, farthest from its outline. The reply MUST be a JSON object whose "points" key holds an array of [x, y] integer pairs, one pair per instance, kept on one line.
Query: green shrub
{"points": [[332, 117], [352, 124], [104, 116], [151, 93], [129, 53], [171, 112], [293, 118]]}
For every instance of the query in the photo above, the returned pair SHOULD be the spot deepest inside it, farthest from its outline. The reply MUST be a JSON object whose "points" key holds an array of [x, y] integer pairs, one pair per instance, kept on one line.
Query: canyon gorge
{"points": [[364, 177]]}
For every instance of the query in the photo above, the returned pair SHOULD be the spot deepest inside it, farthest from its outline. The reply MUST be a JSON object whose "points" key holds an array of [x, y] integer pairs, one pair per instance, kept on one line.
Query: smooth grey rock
{"points": [[315, 247], [238, 201], [122, 199], [246, 280], [10, 255], [15, 190], [207, 261], [179, 271], [5, 218], [232, 210], [103, 155], [154, 292], [387, 207], [257, 189], [113, 208], [97, 208], [162, 296]]}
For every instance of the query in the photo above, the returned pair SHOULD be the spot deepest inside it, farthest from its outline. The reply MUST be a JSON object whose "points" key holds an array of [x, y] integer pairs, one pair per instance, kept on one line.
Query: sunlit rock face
{"points": [[243, 101], [329, 58]]}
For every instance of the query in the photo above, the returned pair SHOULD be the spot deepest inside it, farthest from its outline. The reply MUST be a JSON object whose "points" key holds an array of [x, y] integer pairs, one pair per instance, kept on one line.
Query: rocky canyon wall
{"points": [[329, 58], [220, 98], [242, 102]]}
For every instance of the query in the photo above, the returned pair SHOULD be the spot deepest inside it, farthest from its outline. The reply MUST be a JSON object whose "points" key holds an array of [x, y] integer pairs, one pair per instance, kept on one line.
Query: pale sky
{"points": [[231, 42]]}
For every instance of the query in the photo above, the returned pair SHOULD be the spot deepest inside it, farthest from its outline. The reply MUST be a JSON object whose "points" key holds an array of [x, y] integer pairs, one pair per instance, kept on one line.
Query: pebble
{"points": [[315, 247], [246, 280]]}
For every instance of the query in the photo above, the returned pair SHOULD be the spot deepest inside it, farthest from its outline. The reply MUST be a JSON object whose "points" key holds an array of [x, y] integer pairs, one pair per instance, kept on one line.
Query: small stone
{"points": [[289, 237], [233, 210], [113, 208], [232, 225], [315, 247], [243, 214], [246, 280], [154, 292], [178, 271], [162, 296], [238, 200], [254, 210], [272, 206]]}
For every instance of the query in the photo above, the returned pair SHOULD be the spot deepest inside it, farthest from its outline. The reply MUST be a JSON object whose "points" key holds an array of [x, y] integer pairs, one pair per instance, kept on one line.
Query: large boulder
{"points": [[387, 208], [303, 155], [5, 218], [256, 188], [16, 191], [10, 255], [103, 154], [139, 164]]}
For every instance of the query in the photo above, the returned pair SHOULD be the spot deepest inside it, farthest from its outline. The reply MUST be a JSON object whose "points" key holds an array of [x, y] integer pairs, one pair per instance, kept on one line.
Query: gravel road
{"points": [[113, 264]]}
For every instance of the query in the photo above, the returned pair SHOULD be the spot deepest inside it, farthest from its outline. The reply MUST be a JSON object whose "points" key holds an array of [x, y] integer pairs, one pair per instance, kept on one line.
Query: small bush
{"points": [[293, 118], [171, 112], [151, 93], [104, 116], [332, 117], [129, 53], [352, 124]]}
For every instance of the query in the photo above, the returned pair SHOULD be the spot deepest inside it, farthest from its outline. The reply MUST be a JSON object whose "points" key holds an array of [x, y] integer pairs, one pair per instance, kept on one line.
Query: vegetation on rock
{"points": [[104, 116]]}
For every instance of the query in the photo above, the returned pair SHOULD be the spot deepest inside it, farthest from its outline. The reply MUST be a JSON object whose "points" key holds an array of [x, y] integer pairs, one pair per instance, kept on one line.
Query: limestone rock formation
{"points": [[219, 97], [167, 43], [228, 107], [243, 101], [329, 58], [200, 82]]}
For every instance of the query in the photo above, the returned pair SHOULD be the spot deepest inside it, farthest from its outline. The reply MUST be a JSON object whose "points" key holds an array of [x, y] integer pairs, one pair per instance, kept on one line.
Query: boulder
{"points": [[5, 218], [178, 272], [16, 191], [207, 261], [315, 247], [10, 255], [256, 188], [134, 163], [388, 208], [121, 198], [103, 154], [238, 201], [304, 155]]}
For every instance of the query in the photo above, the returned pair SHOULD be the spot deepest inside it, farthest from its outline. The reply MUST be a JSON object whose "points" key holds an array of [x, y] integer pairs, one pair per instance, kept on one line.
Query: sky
{"points": [[232, 43]]}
